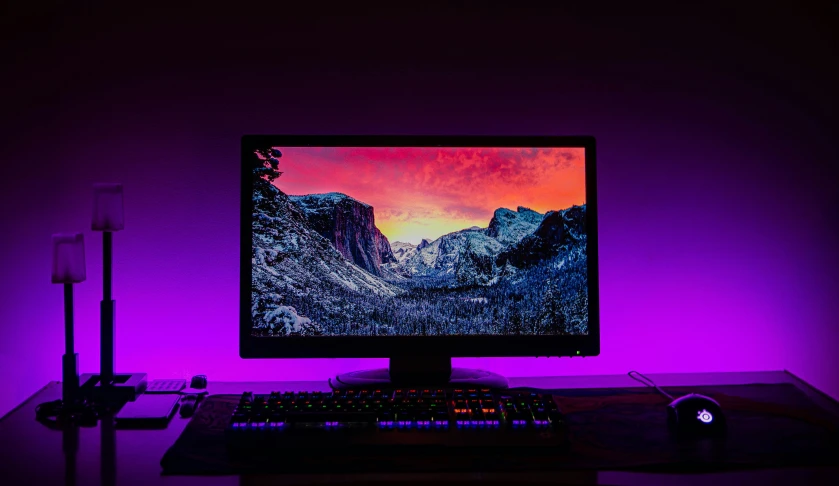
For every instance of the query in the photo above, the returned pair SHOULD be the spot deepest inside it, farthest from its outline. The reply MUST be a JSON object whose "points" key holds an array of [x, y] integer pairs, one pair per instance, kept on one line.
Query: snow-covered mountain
{"points": [[509, 227], [350, 226], [558, 230], [468, 256], [295, 269], [403, 251], [422, 244]]}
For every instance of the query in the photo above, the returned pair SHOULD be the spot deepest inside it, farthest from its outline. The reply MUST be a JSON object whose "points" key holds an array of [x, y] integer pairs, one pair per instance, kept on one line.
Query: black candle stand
{"points": [[107, 386]]}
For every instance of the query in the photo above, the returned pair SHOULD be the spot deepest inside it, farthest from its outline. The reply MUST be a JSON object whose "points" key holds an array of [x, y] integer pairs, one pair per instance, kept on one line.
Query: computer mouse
{"points": [[696, 416]]}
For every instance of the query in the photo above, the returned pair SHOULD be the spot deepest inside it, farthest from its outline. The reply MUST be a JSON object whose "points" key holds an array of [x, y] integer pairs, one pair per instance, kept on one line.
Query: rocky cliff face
{"points": [[509, 227], [558, 230], [464, 255], [350, 226], [468, 255], [403, 251], [296, 271]]}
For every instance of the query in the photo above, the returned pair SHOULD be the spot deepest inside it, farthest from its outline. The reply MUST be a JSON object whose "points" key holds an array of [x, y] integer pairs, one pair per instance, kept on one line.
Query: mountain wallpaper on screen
{"points": [[321, 266]]}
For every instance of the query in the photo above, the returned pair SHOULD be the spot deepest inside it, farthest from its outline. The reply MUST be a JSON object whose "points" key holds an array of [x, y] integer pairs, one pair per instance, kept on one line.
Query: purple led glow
{"points": [[700, 205]]}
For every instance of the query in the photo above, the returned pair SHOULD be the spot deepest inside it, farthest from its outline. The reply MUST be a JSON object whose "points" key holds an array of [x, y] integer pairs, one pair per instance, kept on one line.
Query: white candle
{"points": [[68, 258], [107, 207]]}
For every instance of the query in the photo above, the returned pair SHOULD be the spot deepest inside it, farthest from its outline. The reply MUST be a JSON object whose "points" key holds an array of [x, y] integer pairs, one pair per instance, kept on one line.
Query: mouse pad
{"points": [[609, 429]]}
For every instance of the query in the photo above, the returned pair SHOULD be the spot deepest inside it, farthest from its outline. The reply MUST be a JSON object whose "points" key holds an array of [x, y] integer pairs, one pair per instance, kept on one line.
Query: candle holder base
{"points": [[126, 387], [58, 414]]}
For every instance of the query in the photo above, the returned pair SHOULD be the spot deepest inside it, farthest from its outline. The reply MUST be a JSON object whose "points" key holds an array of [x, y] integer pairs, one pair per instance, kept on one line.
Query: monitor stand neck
{"points": [[419, 372]]}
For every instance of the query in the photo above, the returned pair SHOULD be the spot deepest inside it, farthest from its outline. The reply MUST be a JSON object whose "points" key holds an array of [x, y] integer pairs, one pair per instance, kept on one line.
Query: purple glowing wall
{"points": [[718, 205]]}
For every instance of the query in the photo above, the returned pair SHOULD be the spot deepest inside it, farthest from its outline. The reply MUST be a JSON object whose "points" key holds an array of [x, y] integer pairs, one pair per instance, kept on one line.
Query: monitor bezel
{"points": [[389, 346]]}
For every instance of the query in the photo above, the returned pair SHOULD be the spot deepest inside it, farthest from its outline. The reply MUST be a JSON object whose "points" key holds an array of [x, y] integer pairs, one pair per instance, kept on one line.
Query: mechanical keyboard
{"points": [[396, 421]]}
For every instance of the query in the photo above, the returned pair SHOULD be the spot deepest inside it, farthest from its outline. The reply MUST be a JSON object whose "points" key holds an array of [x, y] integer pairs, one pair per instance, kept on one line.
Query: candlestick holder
{"points": [[108, 386], [68, 268]]}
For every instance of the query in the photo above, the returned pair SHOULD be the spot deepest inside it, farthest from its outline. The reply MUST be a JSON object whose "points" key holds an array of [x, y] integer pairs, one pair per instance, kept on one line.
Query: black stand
{"points": [[107, 386], [419, 372], [70, 360], [72, 410]]}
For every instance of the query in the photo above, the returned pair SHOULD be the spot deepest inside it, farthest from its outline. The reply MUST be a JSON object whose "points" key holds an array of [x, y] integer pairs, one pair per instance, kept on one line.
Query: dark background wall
{"points": [[717, 154]]}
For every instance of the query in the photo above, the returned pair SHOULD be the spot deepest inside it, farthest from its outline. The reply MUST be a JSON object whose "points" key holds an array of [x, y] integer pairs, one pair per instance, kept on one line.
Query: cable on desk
{"points": [[647, 381]]}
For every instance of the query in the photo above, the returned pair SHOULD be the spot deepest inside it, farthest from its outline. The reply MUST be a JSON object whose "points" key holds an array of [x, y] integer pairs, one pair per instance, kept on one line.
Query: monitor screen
{"points": [[365, 240]]}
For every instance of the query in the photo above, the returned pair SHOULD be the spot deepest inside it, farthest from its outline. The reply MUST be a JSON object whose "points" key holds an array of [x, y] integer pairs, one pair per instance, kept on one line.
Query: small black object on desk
{"points": [[152, 411], [692, 416], [696, 416], [188, 405], [192, 395]]}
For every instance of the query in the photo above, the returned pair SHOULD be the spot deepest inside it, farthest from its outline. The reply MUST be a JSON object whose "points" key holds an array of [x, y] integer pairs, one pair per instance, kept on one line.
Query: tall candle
{"points": [[68, 258], [107, 207]]}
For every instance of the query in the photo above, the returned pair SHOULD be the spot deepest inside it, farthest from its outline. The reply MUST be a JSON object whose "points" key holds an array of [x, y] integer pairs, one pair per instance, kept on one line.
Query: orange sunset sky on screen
{"points": [[427, 192]]}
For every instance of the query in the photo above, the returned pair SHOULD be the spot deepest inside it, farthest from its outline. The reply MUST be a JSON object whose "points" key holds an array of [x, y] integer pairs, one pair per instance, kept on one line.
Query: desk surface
{"points": [[32, 453]]}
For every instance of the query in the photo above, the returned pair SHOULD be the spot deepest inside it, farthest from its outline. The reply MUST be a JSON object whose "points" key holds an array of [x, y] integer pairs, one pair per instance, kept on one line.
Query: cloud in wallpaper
{"points": [[422, 193], [419, 241]]}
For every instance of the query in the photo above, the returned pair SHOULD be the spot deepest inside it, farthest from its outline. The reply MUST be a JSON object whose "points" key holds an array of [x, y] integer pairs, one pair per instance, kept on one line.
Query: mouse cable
{"points": [[647, 381]]}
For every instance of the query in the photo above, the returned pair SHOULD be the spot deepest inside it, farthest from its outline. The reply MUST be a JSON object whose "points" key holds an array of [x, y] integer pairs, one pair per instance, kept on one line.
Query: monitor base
{"points": [[404, 372]]}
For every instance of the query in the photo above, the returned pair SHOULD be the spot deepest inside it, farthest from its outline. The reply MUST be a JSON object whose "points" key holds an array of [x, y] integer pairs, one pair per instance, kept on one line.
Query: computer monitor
{"points": [[418, 249]]}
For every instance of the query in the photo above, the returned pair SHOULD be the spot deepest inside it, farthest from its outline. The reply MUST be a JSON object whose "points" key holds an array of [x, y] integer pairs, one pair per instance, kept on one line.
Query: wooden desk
{"points": [[32, 453]]}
